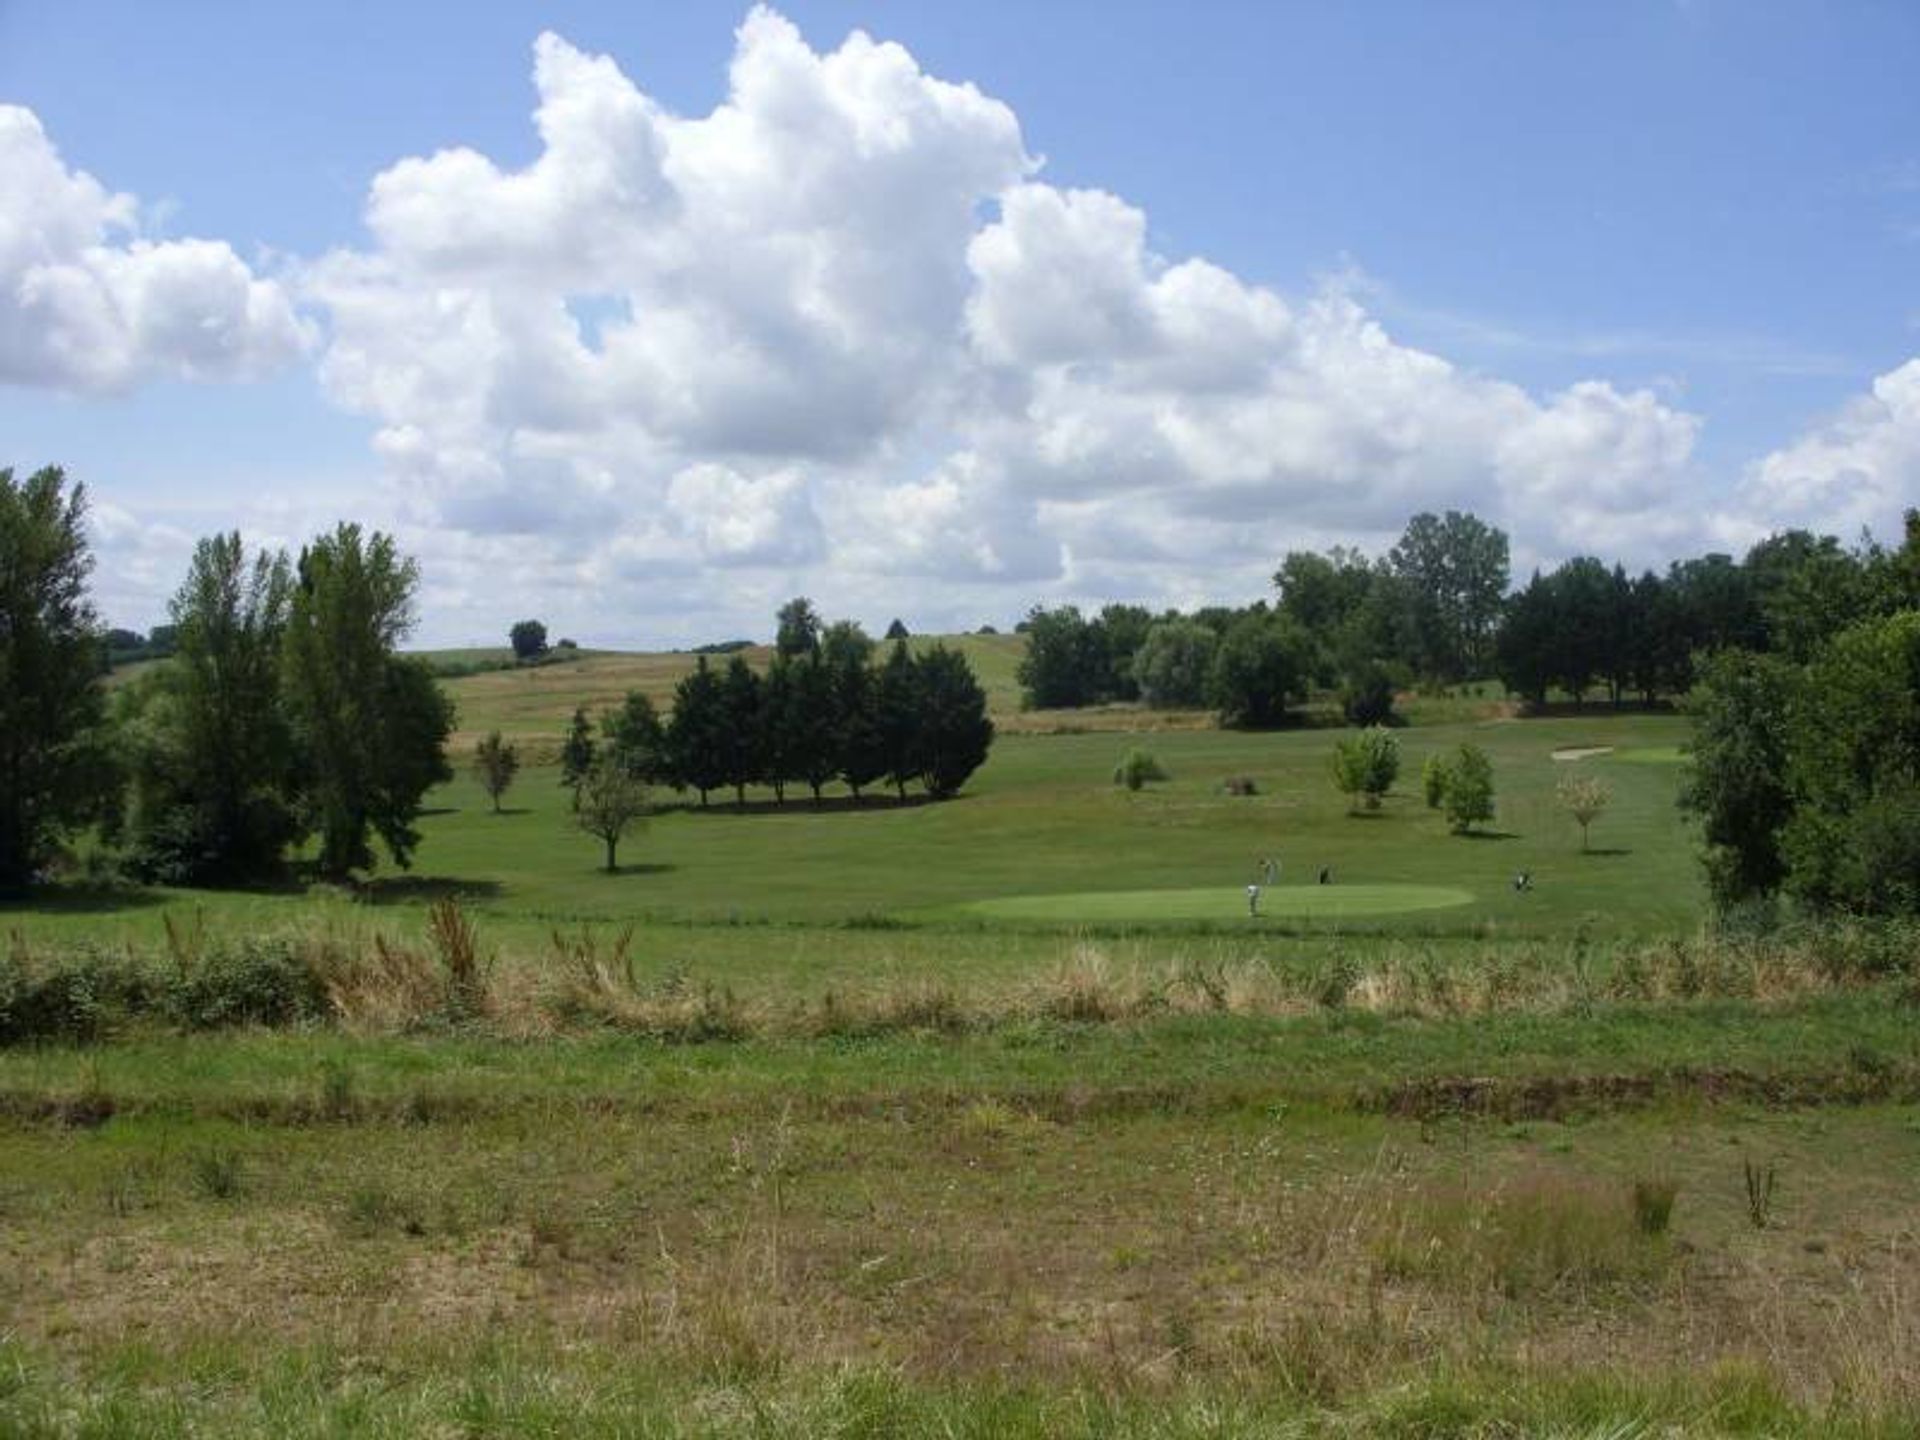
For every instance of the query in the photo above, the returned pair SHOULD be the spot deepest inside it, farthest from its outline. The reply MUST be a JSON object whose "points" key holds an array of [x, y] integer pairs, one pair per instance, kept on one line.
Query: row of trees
{"points": [[1435, 609], [284, 713], [1431, 607], [825, 710]]}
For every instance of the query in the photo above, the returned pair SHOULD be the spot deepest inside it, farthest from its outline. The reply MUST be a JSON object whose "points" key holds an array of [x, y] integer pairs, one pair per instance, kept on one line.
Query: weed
{"points": [[1760, 1185], [455, 942], [1653, 1204], [218, 1173]]}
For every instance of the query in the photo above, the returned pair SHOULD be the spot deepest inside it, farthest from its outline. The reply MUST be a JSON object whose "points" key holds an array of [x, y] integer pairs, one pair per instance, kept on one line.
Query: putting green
{"points": [[1224, 902], [1652, 754]]}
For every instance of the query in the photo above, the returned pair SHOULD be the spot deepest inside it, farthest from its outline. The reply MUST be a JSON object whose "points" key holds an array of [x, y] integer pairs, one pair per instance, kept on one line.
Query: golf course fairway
{"points": [[1224, 902]]}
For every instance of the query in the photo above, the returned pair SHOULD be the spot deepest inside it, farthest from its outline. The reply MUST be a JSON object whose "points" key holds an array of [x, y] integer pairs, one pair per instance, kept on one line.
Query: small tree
{"points": [[954, 733], [1584, 797], [1433, 781], [529, 640], [609, 803], [496, 761], [1136, 768], [1469, 790], [897, 630], [1366, 765], [576, 754], [798, 630]]}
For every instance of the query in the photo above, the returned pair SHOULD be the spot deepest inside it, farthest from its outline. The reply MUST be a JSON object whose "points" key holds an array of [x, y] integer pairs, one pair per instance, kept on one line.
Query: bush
{"points": [[74, 997], [1136, 768], [1367, 696], [1433, 781], [1240, 785], [251, 982]]}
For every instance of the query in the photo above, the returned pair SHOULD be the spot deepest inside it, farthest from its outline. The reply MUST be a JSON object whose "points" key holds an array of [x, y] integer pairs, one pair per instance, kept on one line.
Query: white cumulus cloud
{"points": [[88, 304]]}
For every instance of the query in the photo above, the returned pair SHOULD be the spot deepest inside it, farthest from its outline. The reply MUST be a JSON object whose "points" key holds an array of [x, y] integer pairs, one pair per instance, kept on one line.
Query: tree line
{"points": [[284, 712], [1436, 610], [1806, 739], [828, 709]]}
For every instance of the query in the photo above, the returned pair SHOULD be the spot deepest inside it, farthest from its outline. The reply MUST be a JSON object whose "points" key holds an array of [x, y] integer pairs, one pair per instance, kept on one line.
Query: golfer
{"points": [[1253, 900]]}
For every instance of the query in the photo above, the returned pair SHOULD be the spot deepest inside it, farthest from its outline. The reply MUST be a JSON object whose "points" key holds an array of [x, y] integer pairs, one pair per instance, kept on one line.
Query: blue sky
{"points": [[1673, 247]]}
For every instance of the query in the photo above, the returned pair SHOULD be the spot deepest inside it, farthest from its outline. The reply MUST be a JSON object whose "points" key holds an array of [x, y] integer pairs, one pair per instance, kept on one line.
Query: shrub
{"points": [[1136, 768], [249, 982], [1239, 785], [1433, 781]]}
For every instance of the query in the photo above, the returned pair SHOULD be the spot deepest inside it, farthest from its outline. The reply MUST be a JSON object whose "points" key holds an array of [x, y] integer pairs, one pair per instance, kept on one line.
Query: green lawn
{"points": [[1225, 903]]}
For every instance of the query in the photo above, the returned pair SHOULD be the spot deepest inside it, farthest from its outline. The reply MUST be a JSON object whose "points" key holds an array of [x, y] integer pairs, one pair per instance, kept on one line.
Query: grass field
{"points": [[994, 1117]]}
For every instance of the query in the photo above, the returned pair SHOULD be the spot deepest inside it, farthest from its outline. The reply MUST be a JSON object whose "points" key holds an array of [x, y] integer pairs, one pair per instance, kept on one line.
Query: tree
{"points": [[844, 645], [1323, 592], [860, 750], [1433, 781], [495, 762], [694, 739], [612, 802], [1123, 630], [576, 752], [1585, 797], [739, 729], [529, 640], [1737, 784], [798, 628], [371, 726], [214, 768], [1366, 765], [897, 630], [635, 738], [1174, 663], [897, 705], [55, 768], [954, 733], [1261, 668], [1455, 568], [1469, 789], [1852, 841], [1366, 694], [1066, 664]]}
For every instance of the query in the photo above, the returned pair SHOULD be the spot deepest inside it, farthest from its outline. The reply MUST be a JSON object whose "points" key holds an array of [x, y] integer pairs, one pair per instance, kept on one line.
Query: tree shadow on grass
{"points": [[82, 900], [1485, 835], [645, 867], [1606, 850], [871, 804], [412, 889]]}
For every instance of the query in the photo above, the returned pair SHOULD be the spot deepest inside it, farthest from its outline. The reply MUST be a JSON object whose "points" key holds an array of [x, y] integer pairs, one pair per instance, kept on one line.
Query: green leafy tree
{"points": [[780, 726], [1262, 668], [814, 733], [1367, 691], [56, 771], [212, 755], [897, 706], [370, 725], [1174, 662], [860, 749], [1433, 781], [1456, 568], [741, 728], [797, 628], [897, 630], [495, 762], [529, 640], [844, 645], [636, 739], [694, 737], [954, 731], [612, 803], [1469, 789], [1365, 765], [577, 751], [1737, 783], [1852, 841], [1066, 664], [1123, 630]]}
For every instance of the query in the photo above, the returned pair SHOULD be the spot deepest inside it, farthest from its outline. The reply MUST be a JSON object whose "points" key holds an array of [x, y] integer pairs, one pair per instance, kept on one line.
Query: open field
{"points": [[995, 1117]]}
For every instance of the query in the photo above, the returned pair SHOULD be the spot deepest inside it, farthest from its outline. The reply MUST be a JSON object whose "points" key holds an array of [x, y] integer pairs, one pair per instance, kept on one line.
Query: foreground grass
{"points": [[1192, 1226]]}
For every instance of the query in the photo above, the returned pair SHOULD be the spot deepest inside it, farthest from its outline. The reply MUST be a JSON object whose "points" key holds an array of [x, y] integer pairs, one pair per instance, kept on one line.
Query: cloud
{"points": [[88, 304], [839, 334], [1857, 471]]}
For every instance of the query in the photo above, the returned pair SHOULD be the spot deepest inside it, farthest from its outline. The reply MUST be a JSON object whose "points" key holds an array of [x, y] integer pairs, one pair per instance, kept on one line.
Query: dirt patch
{"points": [[1556, 1097]]}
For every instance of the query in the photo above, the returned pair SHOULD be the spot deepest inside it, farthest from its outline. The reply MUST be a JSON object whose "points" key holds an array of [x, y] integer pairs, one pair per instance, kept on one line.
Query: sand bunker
{"points": [[1581, 752]]}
